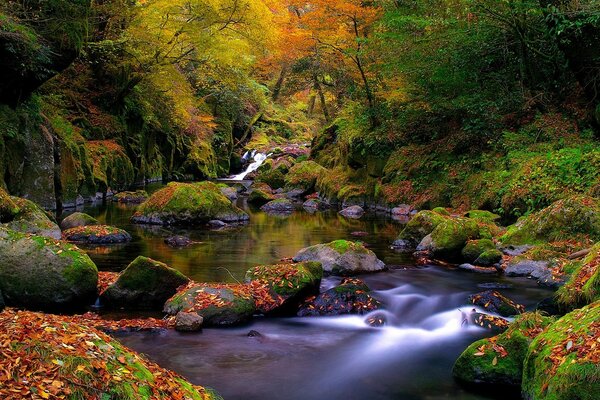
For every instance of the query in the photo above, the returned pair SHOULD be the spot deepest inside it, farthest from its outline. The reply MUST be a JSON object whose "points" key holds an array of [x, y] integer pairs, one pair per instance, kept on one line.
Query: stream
{"points": [[318, 358]]}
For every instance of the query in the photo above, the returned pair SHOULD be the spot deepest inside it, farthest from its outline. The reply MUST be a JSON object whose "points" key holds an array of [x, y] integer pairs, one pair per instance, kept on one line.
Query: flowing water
{"points": [[258, 160], [324, 358]]}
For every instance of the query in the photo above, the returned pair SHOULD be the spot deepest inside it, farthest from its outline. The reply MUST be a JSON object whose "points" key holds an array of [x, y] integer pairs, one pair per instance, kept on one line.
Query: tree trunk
{"points": [[279, 83], [319, 90]]}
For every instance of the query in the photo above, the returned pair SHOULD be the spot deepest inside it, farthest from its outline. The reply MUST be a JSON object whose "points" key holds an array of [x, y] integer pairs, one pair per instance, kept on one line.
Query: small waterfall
{"points": [[258, 158]]}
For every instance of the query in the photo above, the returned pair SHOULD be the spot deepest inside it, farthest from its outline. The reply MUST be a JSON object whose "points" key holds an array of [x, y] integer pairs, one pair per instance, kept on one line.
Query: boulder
{"points": [[279, 206], [189, 204], [260, 195], [315, 204], [275, 178], [30, 218], [303, 176], [351, 296], [482, 215], [188, 322], [562, 361], [495, 302], [353, 212], [526, 268], [78, 219], [144, 284], [576, 218], [96, 234], [477, 269], [498, 361], [37, 272], [285, 285], [216, 224], [474, 248], [583, 286], [229, 192], [8, 208], [178, 241], [449, 237], [489, 258], [137, 197], [217, 304], [342, 257], [421, 225], [402, 210]]}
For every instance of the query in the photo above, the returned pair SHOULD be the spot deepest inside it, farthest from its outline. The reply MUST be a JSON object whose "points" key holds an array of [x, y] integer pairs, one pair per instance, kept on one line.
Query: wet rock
{"points": [[495, 302], [78, 219], [285, 285], [404, 246], [489, 257], [342, 257], [477, 269], [526, 268], [178, 241], [28, 217], [38, 272], [315, 204], [144, 284], [294, 194], [486, 321], [350, 297], [188, 204], [474, 248], [137, 197], [354, 212], [216, 224], [96, 234], [218, 304], [402, 210], [515, 250], [278, 206], [229, 192], [495, 285], [261, 194], [254, 333], [421, 225], [447, 239], [376, 320], [188, 322]]}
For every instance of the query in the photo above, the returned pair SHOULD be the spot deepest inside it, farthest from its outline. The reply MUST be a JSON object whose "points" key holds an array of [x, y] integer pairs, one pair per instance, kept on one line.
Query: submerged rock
{"points": [[37, 272], [144, 284], [282, 206], [342, 257], [188, 322], [495, 302], [78, 219], [217, 304], [96, 234], [350, 297], [216, 224], [354, 212], [188, 204], [178, 241], [562, 361], [287, 285]]}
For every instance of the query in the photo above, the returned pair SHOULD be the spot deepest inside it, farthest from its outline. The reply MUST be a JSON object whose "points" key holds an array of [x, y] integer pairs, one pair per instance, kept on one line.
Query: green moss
{"points": [[304, 176], [489, 257], [344, 246], [450, 236], [273, 177], [482, 215], [474, 248], [421, 225], [583, 286], [441, 211], [561, 363]]}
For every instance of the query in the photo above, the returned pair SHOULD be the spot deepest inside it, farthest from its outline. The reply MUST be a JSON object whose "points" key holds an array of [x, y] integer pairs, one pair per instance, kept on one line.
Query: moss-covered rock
{"points": [[30, 218], [498, 361], [351, 296], [489, 258], [287, 285], [342, 257], [188, 204], [441, 211], [562, 363], [495, 302], [78, 219], [474, 248], [8, 208], [144, 284], [261, 194], [482, 215], [40, 273], [275, 178], [279, 206], [304, 176], [68, 357], [217, 304], [576, 217], [96, 234], [137, 197], [449, 237], [583, 287], [421, 225]]}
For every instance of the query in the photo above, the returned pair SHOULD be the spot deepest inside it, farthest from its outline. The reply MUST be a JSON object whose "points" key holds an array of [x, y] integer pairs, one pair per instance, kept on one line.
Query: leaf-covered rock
{"points": [[495, 302], [342, 257], [96, 234], [137, 197], [144, 284], [583, 287], [351, 296], [278, 206], [78, 219]]}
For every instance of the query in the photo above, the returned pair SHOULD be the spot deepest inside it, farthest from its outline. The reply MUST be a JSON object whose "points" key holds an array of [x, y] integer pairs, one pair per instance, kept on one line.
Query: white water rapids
{"points": [[258, 158]]}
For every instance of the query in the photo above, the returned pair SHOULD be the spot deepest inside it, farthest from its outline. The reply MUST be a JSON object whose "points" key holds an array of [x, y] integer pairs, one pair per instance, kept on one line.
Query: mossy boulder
{"points": [[279, 206], [30, 218], [449, 237], [217, 304], [68, 357], [498, 361], [342, 257], [583, 287], [351, 296], [315, 204], [275, 178], [137, 197], [421, 225], [287, 285], [188, 204], [474, 248], [482, 215], [304, 176], [495, 302], [78, 219], [441, 211], [261, 194], [489, 258], [230, 192], [574, 218], [144, 284], [96, 234], [8, 208], [563, 363], [38, 272]]}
